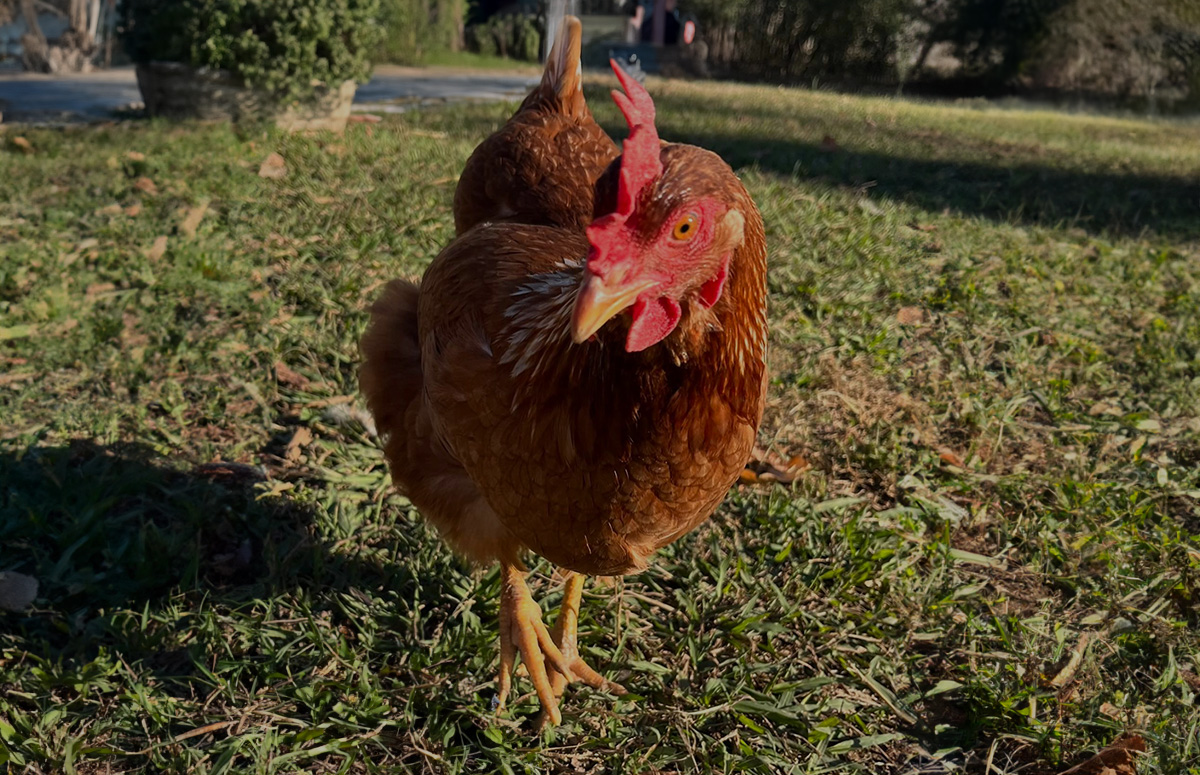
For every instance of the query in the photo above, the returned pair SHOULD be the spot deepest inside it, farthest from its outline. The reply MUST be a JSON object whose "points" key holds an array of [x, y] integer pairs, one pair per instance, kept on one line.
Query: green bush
{"points": [[515, 36], [415, 28], [802, 40], [288, 47]]}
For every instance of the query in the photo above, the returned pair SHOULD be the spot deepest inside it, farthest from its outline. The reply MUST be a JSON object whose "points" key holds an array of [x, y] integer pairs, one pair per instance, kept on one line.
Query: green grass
{"points": [[986, 341], [470, 59]]}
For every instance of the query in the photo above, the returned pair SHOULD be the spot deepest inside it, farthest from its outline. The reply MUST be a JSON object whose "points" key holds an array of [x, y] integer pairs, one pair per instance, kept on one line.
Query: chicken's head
{"points": [[665, 239]]}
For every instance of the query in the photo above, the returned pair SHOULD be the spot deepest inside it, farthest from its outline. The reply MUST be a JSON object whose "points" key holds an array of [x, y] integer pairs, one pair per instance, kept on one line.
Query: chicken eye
{"points": [[685, 227]]}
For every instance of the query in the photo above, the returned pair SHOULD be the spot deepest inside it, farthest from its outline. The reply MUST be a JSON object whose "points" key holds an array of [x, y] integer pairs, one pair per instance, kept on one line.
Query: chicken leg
{"points": [[565, 635], [522, 631]]}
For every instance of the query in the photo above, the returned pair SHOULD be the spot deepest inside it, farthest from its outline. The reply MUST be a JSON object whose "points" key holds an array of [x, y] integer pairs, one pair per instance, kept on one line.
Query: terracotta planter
{"points": [[176, 90]]}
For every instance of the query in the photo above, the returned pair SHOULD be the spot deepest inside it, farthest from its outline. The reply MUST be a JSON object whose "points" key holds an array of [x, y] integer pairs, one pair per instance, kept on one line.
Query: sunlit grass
{"points": [[985, 341]]}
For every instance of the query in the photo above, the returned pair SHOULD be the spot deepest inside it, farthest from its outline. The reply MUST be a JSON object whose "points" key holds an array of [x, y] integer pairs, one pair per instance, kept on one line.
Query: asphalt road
{"points": [[92, 96]]}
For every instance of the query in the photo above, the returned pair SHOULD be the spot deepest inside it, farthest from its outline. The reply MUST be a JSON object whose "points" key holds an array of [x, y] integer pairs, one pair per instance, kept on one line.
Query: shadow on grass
{"points": [[1000, 184], [111, 531]]}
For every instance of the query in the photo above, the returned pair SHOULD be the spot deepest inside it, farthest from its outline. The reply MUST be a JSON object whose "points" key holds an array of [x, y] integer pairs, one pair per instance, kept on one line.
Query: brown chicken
{"points": [[540, 166], [587, 395]]}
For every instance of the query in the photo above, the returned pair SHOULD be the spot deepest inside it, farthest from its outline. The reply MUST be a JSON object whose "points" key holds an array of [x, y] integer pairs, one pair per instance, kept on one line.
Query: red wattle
{"points": [[653, 320], [711, 290]]}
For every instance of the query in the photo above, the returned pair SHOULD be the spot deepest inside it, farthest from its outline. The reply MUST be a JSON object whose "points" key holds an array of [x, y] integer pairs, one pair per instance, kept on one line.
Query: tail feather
{"points": [[563, 76]]}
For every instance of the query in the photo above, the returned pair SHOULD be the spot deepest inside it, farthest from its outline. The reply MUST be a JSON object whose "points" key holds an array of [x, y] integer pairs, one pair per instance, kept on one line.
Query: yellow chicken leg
{"points": [[522, 631], [552, 661], [565, 636]]}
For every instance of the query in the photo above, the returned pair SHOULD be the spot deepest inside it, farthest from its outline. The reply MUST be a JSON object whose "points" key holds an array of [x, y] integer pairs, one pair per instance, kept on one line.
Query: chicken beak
{"points": [[600, 300]]}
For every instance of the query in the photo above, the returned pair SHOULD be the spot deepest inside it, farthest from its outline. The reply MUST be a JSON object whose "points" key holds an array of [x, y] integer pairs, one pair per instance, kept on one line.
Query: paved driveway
{"points": [[30, 97]]}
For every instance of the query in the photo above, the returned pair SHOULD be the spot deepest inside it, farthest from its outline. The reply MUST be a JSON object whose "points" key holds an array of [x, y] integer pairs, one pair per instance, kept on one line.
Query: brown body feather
{"points": [[540, 167], [506, 435]]}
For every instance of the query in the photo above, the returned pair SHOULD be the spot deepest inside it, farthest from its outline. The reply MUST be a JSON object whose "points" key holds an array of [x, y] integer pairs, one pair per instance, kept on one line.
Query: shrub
{"points": [[290, 48], [516, 36], [416, 28], [1142, 50], [803, 39]]}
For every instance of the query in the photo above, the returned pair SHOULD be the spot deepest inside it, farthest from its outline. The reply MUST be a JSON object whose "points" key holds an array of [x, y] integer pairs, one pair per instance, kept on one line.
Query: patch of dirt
{"points": [[845, 411]]}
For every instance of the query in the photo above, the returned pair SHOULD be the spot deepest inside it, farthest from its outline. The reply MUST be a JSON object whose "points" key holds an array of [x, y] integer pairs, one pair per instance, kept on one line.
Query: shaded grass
{"points": [[992, 371]]}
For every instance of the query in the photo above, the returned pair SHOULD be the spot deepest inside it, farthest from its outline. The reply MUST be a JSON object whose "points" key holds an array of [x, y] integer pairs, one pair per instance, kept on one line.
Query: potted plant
{"points": [[296, 62]]}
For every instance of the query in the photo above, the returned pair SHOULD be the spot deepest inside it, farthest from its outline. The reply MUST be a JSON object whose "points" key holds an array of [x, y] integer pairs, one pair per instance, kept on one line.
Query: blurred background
{"points": [[1141, 55]]}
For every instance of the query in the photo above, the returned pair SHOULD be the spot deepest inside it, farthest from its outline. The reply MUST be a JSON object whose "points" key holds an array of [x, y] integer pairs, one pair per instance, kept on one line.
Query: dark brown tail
{"points": [[390, 375]]}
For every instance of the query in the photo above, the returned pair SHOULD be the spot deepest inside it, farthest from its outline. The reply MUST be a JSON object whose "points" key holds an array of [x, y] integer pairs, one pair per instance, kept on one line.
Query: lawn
{"points": [[986, 359]]}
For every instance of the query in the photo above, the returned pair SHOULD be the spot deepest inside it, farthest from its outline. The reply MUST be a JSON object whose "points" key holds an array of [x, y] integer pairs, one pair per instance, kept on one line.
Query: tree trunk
{"points": [[555, 10], [71, 53], [34, 49], [93, 26]]}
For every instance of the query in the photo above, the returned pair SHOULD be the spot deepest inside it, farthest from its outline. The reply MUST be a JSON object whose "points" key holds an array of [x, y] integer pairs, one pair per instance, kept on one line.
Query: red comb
{"points": [[640, 160]]}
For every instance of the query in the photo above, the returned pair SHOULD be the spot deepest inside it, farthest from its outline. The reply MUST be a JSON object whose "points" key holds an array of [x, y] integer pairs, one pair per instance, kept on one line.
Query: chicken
{"points": [[540, 166], [586, 394]]}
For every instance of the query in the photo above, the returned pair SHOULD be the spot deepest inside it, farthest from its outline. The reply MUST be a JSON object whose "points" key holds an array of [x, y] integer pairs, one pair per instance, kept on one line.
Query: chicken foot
{"points": [[523, 632], [565, 635]]}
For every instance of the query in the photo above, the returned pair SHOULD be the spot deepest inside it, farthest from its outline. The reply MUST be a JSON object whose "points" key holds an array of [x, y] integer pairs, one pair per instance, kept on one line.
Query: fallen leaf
{"points": [[145, 184], [950, 458], [1120, 758], [134, 209], [364, 118], [767, 466], [192, 221], [17, 590], [932, 247], [301, 438], [23, 144], [158, 249], [273, 167], [926, 227], [285, 375], [910, 316], [135, 156], [828, 144], [113, 209]]}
